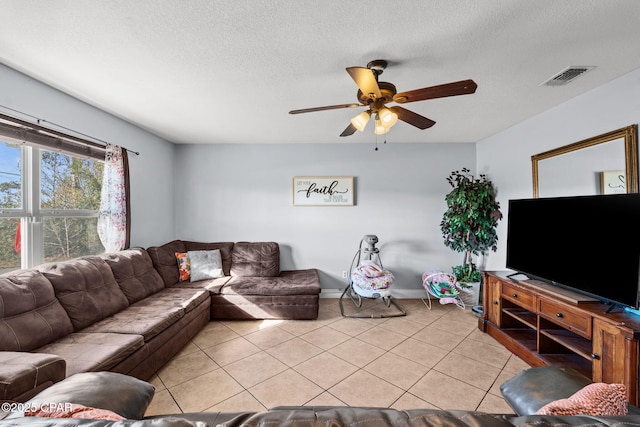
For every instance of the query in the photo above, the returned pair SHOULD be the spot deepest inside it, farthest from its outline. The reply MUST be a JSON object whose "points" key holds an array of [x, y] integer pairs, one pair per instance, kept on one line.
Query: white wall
{"points": [[227, 192], [611, 106], [152, 172]]}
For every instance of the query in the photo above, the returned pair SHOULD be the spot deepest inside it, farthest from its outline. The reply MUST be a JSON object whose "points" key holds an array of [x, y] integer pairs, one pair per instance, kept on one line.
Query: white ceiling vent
{"points": [[567, 75]]}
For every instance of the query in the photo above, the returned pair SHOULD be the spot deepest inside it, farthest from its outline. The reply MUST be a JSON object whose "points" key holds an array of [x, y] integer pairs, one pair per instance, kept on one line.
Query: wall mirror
{"points": [[603, 164]]}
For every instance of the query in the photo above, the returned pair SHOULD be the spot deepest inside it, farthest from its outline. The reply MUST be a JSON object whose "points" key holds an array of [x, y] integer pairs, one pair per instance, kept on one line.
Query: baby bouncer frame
{"points": [[368, 254]]}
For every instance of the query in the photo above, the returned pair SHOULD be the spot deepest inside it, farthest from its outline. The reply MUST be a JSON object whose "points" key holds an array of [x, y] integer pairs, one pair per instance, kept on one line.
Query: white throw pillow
{"points": [[205, 264]]}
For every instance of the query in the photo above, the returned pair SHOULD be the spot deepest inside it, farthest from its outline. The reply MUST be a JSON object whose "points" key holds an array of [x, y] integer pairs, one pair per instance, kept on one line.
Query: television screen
{"points": [[587, 243]]}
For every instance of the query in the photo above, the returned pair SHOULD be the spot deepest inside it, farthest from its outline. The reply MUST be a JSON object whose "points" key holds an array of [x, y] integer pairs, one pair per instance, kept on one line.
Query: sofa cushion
{"points": [[122, 394], [86, 288], [177, 297], [214, 286], [85, 352], [255, 259], [134, 273], [345, 416], [30, 314], [21, 373], [224, 247], [164, 260], [295, 282], [146, 317]]}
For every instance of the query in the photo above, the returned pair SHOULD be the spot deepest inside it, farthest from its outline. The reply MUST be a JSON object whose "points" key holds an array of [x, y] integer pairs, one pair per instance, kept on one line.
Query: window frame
{"points": [[30, 213]]}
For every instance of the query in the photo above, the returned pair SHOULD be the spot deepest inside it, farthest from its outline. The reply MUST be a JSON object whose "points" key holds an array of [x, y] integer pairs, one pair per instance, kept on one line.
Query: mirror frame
{"points": [[630, 135]]}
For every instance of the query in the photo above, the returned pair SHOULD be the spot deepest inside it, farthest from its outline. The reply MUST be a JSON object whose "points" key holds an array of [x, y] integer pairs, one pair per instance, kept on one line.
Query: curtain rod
{"points": [[37, 126]]}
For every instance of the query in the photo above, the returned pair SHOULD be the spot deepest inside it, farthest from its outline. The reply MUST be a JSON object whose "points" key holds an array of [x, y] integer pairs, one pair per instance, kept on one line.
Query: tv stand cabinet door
{"points": [[615, 357], [494, 302]]}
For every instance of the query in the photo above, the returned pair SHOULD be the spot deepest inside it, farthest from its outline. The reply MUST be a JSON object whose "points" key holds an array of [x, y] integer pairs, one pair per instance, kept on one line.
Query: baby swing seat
{"points": [[369, 280]]}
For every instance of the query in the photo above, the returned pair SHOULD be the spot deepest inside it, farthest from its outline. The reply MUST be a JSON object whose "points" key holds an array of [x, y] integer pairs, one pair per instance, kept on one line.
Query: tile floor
{"points": [[428, 359]]}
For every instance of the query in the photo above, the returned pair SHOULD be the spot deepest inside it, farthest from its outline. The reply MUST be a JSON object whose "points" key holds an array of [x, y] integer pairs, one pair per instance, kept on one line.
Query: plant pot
{"points": [[470, 293]]}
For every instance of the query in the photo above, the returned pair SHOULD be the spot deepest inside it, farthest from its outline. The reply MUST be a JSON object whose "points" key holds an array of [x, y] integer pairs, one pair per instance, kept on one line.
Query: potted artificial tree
{"points": [[469, 224]]}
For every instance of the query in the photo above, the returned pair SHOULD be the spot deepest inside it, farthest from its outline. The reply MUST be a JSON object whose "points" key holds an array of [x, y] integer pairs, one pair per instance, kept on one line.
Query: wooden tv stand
{"points": [[546, 325]]}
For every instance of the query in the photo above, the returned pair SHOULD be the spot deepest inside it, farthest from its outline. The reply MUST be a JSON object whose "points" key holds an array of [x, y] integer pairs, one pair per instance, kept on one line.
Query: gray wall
{"points": [[227, 192], [152, 173], [611, 106]]}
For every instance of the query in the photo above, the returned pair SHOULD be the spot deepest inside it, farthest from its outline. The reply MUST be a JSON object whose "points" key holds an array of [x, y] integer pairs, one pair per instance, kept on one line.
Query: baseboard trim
{"points": [[396, 293]]}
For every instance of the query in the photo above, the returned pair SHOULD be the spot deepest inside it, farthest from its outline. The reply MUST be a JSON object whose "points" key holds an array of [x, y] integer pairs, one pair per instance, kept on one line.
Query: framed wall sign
{"points": [[613, 182], [323, 191]]}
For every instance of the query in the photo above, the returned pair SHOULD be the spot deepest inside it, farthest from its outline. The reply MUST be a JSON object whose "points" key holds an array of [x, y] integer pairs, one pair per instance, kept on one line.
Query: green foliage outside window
{"points": [[9, 258], [70, 183]]}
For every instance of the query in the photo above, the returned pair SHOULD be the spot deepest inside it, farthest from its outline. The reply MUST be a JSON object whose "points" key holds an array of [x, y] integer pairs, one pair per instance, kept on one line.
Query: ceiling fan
{"points": [[375, 95]]}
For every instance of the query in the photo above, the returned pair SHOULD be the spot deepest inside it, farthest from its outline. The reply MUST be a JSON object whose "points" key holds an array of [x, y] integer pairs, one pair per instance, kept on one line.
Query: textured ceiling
{"points": [[228, 71]]}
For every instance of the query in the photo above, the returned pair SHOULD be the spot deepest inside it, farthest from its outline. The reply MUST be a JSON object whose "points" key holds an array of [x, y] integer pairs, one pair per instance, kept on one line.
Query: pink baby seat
{"points": [[442, 286]]}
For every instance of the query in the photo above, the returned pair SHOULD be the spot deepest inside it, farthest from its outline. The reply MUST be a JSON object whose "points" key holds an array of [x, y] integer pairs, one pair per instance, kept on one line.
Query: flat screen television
{"points": [[589, 244]]}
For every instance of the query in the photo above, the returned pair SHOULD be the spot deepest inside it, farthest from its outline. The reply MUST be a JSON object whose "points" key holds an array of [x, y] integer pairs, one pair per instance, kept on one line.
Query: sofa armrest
{"points": [[23, 375], [533, 388]]}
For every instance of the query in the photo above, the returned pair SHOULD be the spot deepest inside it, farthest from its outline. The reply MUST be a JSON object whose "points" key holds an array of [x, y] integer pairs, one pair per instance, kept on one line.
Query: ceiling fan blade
{"points": [[328, 107], [463, 87], [366, 81], [350, 130], [414, 119]]}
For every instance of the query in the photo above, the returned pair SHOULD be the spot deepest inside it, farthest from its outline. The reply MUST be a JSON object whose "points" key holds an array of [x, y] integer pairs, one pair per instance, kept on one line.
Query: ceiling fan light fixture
{"points": [[380, 128], [361, 120], [387, 117]]}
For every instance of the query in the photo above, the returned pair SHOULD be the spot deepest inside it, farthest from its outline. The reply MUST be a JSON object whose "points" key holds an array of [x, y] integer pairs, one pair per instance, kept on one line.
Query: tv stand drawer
{"points": [[521, 297], [566, 316]]}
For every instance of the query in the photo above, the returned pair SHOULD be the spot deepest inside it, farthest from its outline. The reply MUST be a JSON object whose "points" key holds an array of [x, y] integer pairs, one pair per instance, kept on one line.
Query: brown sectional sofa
{"points": [[253, 286], [127, 312], [129, 398]]}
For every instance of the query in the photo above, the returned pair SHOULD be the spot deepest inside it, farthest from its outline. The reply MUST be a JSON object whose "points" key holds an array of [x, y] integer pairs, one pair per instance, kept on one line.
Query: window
{"points": [[49, 205]]}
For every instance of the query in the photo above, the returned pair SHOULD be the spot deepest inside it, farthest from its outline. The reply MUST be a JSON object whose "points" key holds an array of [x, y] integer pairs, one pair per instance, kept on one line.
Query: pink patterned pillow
{"points": [[72, 410], [598, 399]]}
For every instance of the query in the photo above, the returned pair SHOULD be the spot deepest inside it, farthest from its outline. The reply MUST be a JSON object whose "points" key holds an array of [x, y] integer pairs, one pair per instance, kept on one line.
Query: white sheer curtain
{"points": [[113, 227]]}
